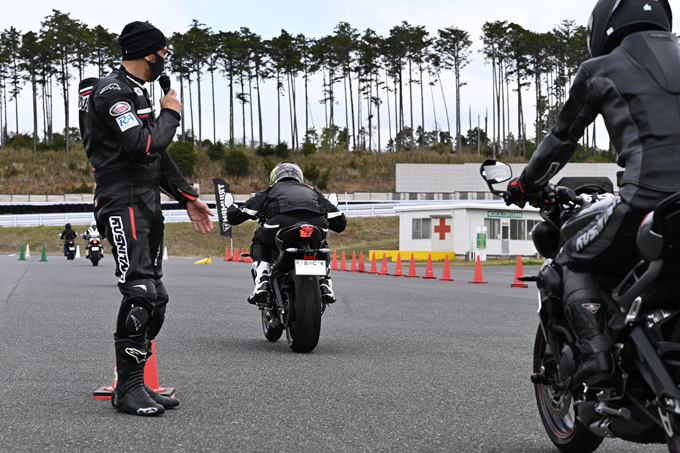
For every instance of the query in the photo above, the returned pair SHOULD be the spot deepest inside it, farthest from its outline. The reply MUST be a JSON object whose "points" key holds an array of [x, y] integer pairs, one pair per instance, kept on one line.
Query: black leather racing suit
{"points": [[126, 145], [636, 88], [284, 204]]}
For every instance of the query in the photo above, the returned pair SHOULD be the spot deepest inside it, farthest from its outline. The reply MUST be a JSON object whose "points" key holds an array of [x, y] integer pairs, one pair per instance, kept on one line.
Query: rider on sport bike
{"points": [[285, 202], [92, 232], [633, 82]]}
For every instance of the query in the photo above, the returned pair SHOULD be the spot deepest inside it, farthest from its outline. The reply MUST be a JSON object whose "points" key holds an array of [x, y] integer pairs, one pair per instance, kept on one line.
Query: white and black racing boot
{"points": [[327, 294], [261, 271]]}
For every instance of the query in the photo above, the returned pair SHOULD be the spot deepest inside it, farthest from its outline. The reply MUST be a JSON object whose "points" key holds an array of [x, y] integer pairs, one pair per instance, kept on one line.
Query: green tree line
{"points": [[368, 82]]}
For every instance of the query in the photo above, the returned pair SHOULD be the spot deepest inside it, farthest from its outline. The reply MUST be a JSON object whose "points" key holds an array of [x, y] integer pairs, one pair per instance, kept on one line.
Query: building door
{"points": [[505, 239]]}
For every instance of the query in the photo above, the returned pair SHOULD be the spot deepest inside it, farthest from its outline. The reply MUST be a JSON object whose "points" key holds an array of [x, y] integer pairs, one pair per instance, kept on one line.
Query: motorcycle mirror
{"points": [[494, 171], [333, 198]]}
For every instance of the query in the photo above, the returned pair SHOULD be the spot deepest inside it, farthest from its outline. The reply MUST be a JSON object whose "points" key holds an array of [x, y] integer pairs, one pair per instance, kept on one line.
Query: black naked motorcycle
{"points": [[643, 320], [301, 258]]}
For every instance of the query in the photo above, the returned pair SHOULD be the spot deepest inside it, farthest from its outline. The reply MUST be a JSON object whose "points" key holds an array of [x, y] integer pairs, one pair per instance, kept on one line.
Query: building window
{"points": [[422, 229], [493, 228], [517, 229]]}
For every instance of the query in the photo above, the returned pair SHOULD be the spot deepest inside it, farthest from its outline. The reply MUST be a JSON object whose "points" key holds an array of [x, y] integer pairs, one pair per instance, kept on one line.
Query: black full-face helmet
{"points": [[612, 20], [68, 225]]}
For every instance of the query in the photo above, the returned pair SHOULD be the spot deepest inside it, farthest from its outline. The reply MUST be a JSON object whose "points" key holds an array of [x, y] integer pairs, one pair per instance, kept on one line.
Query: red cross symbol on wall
{"points": [[442, 228]]}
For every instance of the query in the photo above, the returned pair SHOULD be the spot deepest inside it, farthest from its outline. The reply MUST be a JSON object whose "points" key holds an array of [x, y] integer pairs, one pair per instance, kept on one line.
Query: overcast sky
{"points": [[313, 19]]}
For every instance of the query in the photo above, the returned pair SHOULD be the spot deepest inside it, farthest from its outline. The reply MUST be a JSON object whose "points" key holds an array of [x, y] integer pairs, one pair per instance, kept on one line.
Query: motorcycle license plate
{"points": [[310, 267], [95, 249]]}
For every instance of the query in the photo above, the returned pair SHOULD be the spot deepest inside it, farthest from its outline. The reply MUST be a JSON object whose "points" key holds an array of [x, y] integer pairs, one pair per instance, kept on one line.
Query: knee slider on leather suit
{"points": [[158, 317], [584, 304], [136, 309]]}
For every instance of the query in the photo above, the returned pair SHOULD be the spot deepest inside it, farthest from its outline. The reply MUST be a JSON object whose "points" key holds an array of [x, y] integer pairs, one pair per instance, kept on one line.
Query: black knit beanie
{"points": [[139, 39]]}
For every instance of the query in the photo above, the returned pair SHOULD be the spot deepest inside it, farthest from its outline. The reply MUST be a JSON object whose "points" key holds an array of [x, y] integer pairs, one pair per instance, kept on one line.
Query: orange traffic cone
{"points": [[519, 273], [334, 264], [412, 268], [247, 259], [383, 268], [398, 272], [353, 268], [362, 268], [150, 379], [227, 255], [478, 272], [428, 271], [373, 270], [343, 263], [446, 276]]}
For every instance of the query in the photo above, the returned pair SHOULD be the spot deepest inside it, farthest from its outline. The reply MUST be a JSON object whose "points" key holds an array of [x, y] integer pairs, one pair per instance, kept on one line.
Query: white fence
{"points": [[354, 209]]}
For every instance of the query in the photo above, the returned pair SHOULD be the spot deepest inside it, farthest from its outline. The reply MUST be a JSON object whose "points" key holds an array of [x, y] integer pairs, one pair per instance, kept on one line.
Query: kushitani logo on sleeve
{"points": [[120, 242]]}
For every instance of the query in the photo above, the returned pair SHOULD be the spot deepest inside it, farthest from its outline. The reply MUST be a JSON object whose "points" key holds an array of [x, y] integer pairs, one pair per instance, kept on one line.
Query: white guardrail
{"points": [[354, 209]]}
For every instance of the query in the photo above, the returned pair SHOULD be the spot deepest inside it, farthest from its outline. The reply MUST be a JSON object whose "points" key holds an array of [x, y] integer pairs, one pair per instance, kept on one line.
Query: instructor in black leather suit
{"points": [[633, 81], [126, 145]]}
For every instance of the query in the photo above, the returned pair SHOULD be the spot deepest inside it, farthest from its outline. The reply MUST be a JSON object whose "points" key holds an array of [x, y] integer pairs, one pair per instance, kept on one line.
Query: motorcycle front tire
{"points": [[557, 412], [304, 326]]}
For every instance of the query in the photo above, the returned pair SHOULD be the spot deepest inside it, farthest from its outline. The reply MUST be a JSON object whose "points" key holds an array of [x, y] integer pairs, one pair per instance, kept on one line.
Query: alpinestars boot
{"points": [[168, 402], [261, 271], [130, 394], [597, 362], [327, 294]]}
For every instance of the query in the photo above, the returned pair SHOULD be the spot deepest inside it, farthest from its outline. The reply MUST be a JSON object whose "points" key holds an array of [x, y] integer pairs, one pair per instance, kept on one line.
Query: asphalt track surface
{"points": [[403, 364]]}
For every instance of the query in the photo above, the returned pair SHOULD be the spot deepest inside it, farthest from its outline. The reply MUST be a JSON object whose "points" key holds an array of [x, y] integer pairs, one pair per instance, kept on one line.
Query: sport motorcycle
{"points": [[94, 250], [642, 402], [301, 258]]}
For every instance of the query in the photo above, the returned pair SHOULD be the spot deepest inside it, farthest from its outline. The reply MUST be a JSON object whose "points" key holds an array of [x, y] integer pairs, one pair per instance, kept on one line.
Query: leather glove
{"points": [[515, 193]]}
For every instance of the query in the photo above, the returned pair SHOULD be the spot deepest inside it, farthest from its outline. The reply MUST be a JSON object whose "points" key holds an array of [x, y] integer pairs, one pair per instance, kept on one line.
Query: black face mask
{"points": [[157, 67]]}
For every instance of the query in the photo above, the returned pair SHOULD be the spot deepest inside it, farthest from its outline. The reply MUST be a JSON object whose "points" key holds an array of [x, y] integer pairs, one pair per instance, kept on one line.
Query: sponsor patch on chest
{"points": [[127, 121]]}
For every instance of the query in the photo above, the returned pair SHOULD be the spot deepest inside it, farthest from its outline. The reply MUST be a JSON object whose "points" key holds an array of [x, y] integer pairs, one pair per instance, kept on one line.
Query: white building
{"points": [[453, 227]]}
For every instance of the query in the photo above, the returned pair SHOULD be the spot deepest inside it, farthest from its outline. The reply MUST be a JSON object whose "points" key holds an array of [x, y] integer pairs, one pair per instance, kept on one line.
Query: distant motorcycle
{"points": [[70, 252], [94, 250]]}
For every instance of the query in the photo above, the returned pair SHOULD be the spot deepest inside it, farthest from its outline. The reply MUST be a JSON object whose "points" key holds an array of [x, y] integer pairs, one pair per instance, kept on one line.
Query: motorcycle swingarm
{"points": [[652, 367], [277, 293]]}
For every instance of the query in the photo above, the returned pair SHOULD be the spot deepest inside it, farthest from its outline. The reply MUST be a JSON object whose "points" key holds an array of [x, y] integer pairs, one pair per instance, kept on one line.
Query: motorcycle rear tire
{"points": [[271, 333], [94, 259], [673, 443], [304, 326], [565, 432]]}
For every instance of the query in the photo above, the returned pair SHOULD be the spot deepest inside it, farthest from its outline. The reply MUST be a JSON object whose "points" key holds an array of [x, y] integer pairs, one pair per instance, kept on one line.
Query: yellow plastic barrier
{"points": [[406, 255]]}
